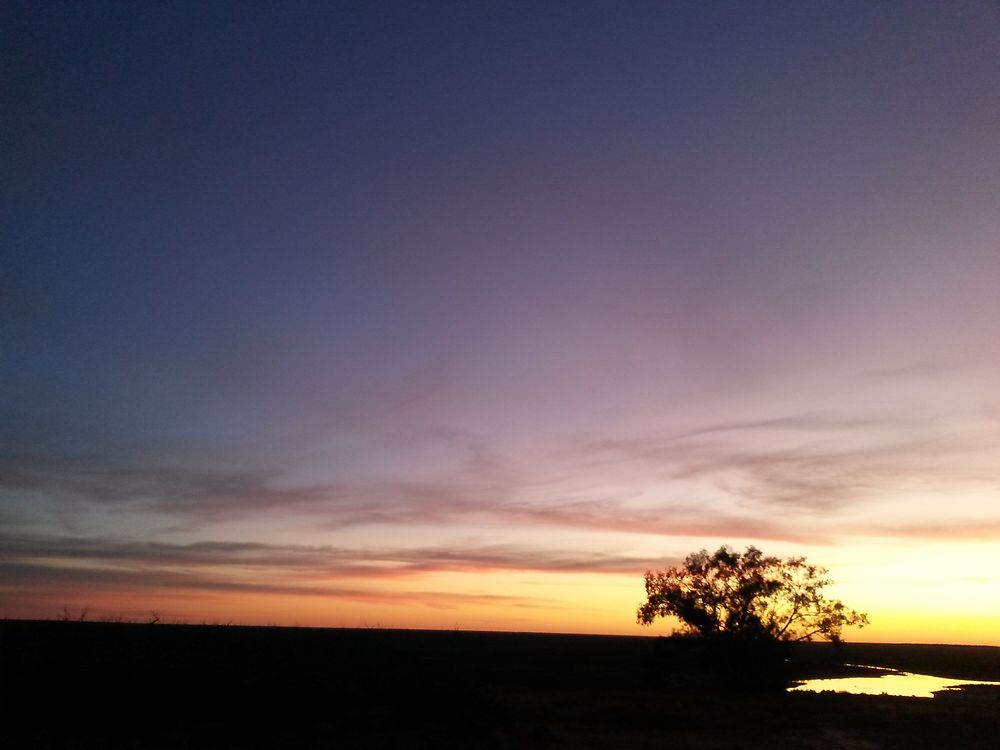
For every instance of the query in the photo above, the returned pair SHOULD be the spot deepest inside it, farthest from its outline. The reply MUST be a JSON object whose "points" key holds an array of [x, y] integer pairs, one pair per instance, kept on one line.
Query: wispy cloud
{"points": [[320, 561], [666, 520], [57, 579], [985, 530], [196, 498], [168, 489], [52, 567], [764, 479], [813, 462]]}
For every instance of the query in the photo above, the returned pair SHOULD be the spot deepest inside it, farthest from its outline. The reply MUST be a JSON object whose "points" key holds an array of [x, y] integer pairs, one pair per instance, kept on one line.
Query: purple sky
{"points": [[552, 291]]}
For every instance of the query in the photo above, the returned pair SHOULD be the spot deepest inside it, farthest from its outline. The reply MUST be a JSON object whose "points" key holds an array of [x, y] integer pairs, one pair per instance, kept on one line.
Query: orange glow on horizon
{"points": [[498, 601]]}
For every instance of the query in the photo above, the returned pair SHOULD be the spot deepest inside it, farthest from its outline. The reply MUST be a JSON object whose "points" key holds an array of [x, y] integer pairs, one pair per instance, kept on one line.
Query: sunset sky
{"points": [[461, 314]]}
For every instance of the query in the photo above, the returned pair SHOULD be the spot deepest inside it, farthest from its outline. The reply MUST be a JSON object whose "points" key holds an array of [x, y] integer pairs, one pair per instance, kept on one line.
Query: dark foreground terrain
{"points": [[103, 685]]}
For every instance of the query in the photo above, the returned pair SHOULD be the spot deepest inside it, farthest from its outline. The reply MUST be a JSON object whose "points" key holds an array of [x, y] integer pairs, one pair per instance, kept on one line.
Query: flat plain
{"points": [[102, 685]]}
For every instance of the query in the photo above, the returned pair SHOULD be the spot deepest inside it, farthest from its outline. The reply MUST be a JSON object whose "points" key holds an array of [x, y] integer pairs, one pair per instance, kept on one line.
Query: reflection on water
{"points": [[894, 683]]}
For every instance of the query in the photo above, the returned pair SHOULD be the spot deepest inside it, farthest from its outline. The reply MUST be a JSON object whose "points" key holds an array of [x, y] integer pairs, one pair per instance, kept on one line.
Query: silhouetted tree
{"points": [[747, 596]]}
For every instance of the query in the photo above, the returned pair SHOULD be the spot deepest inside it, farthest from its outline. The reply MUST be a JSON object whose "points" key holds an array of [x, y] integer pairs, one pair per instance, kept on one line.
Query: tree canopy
{"points": [[747, 595]]}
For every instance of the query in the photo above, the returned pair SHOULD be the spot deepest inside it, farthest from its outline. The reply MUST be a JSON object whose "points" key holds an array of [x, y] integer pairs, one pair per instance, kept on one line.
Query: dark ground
{"points": [[104, 685]]}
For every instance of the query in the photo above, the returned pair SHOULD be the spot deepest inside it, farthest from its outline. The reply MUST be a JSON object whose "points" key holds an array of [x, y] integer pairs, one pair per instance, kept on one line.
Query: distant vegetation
{"points": [[746, 596]]}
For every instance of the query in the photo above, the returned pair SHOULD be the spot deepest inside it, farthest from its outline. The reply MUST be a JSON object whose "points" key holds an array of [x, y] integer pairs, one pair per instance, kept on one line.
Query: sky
{"points": [[464, 315]]}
